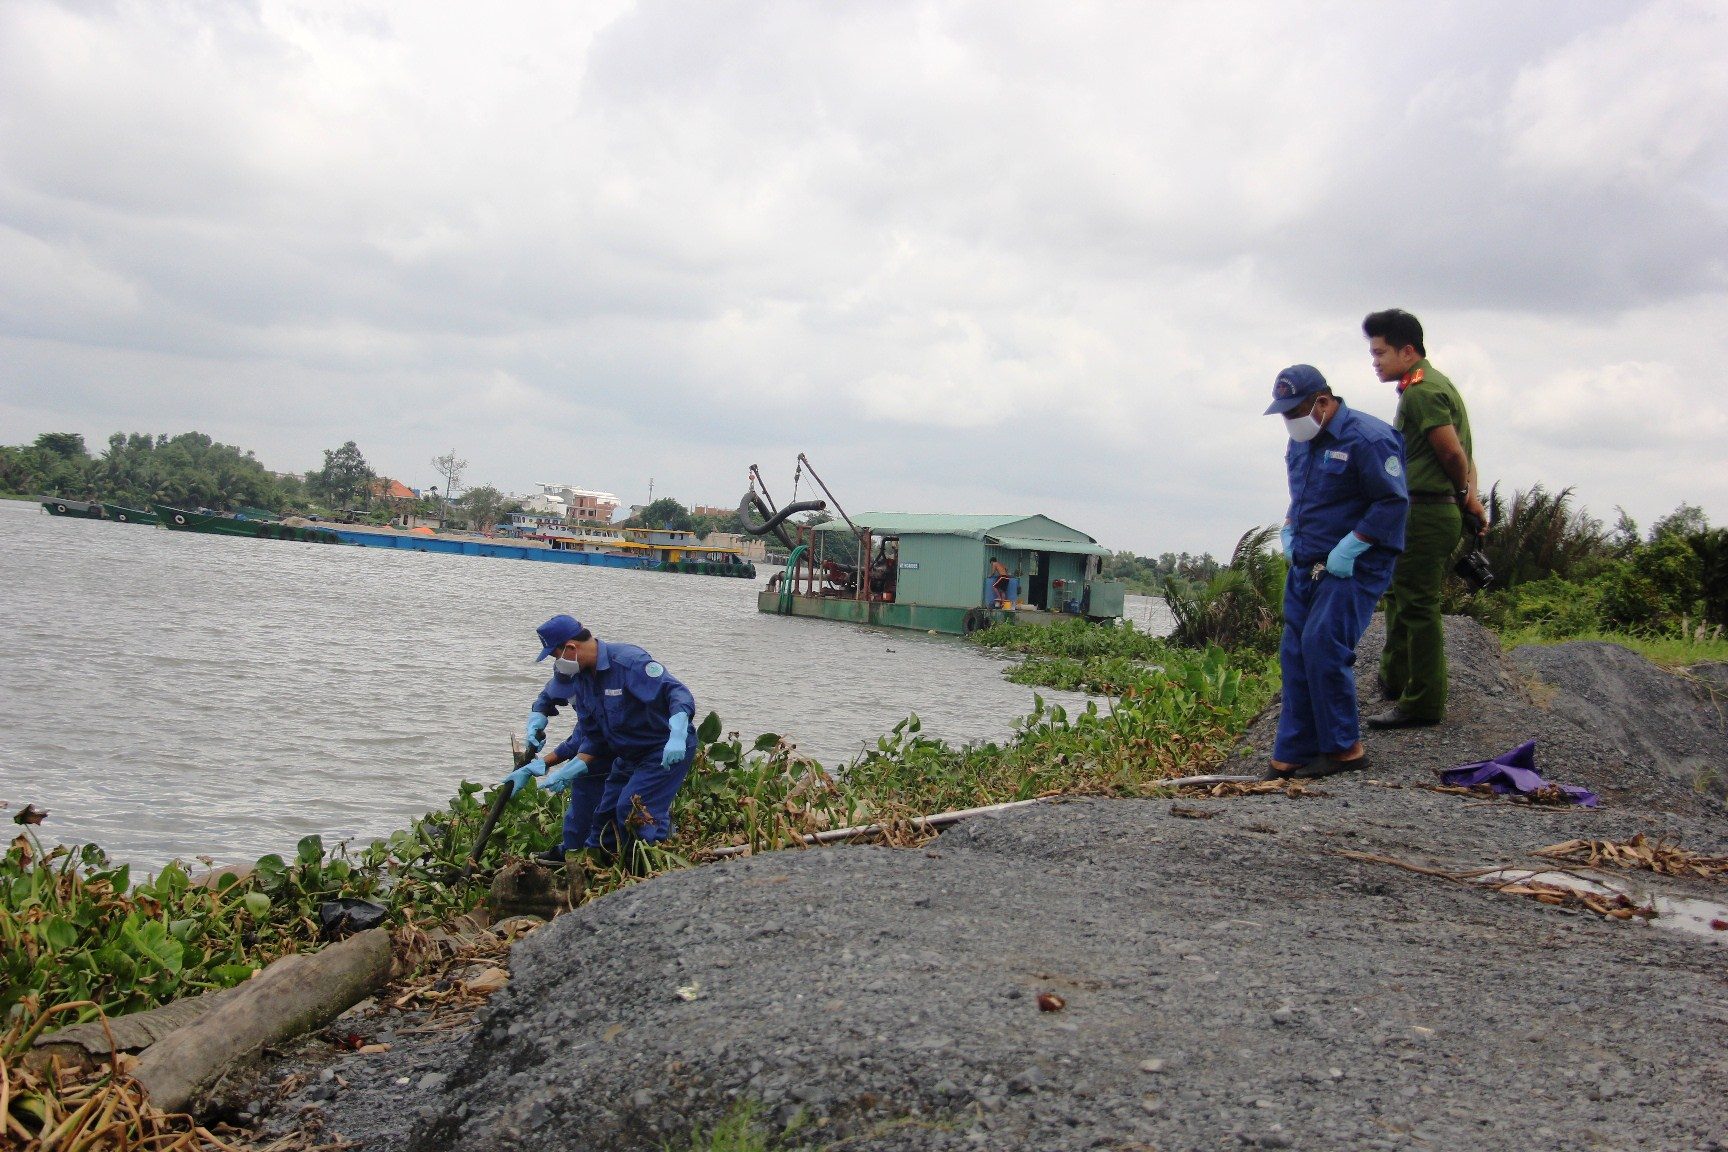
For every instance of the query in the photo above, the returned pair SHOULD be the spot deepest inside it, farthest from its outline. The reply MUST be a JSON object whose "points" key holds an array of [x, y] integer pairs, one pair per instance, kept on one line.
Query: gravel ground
{"points": [[1228, 979]]}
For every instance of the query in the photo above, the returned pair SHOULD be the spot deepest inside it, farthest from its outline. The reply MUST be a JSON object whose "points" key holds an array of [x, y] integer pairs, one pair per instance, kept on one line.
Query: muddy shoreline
{"points": [[1228, 976]]}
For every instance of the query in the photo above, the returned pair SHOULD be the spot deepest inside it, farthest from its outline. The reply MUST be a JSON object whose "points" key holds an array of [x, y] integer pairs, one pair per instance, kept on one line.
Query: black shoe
{"points": [[1398, 716], [552, 855], [1386, 692], [1326, 766]]}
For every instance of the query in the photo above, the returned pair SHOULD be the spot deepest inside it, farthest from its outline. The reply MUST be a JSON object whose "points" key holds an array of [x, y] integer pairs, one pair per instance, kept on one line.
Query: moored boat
{"points": [[81, 508], [129, 515], [215, 523]]}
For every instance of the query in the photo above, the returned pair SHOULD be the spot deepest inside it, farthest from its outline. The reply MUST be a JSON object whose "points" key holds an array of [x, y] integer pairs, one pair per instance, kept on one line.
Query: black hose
{"points": [[754, 503]]}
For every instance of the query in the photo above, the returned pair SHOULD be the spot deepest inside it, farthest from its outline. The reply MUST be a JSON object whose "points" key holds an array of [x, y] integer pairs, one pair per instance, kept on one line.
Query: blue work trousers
{"points": [[585, 793], [638, 781], [1323, 620]]}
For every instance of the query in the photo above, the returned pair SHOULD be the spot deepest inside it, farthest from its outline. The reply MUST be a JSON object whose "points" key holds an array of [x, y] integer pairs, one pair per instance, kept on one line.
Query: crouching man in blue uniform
{"points": [[586, 787], [1344, 529], [632, 746]]}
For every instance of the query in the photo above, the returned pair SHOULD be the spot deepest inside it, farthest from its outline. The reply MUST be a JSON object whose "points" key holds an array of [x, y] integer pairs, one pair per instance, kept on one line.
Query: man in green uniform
{"points": [[1443, 501]]}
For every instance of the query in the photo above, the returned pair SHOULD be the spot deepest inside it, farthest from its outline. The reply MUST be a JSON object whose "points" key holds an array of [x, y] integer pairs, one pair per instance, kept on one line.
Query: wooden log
{"points": [[294, 995], [86, 1046]]}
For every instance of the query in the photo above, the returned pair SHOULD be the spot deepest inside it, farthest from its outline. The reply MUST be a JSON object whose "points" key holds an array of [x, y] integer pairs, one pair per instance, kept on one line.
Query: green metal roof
{"points": [[928, 523], [1031, 532], [1034, 544]]}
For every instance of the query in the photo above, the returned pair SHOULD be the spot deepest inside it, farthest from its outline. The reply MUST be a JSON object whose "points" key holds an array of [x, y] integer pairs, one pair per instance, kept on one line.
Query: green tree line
{"points": [[1151, 576], [1559, 574], [194, 471], [190, 469]]}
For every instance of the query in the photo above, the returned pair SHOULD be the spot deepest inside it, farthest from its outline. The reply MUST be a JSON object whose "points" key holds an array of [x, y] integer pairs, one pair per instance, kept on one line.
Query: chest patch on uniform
{"points": [[1337, 454], [614, 691], [654, 668], [1393, 468]]}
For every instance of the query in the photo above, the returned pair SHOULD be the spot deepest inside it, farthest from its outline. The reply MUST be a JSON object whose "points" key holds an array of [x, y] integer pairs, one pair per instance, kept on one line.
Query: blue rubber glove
{"points": [[1287, 537], [536, 730], [559, 778], [679, 722], [1341, 561], [518, 779]]}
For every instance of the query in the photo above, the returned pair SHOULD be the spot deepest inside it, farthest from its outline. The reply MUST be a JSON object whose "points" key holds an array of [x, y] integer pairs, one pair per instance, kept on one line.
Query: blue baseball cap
{"points": [[556, 633], [1294, 385]]}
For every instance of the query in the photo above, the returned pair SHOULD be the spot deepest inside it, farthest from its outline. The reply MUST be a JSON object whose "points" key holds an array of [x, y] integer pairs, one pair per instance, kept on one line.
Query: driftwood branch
{"points": [[294, 995], [943, 819]]}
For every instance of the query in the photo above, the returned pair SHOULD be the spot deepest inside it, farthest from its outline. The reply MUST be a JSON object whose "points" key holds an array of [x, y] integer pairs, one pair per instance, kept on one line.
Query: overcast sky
{"points": [[991, 257]]}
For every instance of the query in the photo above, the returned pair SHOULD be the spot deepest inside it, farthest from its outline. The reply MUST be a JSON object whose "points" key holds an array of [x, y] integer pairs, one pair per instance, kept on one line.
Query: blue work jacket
{"points": [[623, 704], [1349, 478], [555, 695]]}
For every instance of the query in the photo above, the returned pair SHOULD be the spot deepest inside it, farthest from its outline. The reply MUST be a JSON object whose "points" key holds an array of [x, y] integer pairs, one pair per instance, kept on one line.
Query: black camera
{"points": [[1473, 569]]}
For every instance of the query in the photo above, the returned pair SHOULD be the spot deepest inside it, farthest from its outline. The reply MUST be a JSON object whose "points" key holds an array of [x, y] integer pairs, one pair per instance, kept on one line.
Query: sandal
{"points": [[1290, 774], [1326, 766]]}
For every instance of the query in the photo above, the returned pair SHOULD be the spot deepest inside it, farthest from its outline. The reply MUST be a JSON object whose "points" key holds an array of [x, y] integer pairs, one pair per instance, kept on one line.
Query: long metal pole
{"points": [[805, 460], [757, 472]]}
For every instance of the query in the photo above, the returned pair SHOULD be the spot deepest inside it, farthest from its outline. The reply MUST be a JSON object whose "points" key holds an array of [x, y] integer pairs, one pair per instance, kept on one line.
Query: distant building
{"points": [[711, 510], [394, 493], [573, 504]]}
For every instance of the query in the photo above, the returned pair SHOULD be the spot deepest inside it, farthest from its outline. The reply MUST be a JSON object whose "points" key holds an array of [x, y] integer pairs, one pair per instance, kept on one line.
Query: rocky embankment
{"points": [[1198, 973]]}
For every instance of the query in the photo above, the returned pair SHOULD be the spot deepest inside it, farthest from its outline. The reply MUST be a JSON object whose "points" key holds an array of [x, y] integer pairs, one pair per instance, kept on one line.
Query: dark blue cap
{"points": [[556, 633], [1294, 385]]}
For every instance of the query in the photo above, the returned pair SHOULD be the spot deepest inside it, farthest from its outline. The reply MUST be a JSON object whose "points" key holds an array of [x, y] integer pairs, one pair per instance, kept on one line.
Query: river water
{"points": [[168, 694]]}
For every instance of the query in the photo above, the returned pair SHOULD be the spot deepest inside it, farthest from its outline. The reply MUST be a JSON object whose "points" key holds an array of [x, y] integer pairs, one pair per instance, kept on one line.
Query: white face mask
{"points": [[566, 667], [1303, 428]]}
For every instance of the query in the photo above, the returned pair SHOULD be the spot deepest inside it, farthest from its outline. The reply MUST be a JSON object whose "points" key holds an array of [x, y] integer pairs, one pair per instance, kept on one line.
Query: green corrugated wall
{"points": [[950, 571]]}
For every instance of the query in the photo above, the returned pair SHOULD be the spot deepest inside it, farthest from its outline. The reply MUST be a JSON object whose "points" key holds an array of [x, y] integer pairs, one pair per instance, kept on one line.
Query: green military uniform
{"points": [[1413, 667]]}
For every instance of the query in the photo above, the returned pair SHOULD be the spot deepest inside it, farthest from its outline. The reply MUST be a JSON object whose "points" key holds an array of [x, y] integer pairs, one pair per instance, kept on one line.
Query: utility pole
{"points": [[650, 489]]}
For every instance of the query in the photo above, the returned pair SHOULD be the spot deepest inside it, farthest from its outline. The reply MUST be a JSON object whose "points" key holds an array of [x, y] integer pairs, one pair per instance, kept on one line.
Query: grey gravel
{"points": [[1229, 982]]}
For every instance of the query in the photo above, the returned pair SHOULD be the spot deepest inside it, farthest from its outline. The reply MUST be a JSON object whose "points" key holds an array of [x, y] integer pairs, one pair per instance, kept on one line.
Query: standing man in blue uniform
{"points": [[1344, 529], [633, 743]]}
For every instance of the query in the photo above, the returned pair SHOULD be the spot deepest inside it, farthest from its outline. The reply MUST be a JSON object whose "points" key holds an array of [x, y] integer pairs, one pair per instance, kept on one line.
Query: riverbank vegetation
{"points": [[1562, 575], [75, 927]]}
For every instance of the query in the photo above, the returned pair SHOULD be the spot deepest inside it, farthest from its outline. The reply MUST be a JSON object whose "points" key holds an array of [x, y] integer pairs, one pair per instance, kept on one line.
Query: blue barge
{"points": [[457, 546]]}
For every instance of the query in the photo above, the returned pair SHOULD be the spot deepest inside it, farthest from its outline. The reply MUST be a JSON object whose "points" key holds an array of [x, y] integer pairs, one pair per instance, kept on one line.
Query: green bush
{"points": [[1654, 589]]}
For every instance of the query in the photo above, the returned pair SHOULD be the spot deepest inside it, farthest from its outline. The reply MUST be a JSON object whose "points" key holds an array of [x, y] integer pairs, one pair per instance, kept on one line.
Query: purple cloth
{"points": [[1513, 771]]}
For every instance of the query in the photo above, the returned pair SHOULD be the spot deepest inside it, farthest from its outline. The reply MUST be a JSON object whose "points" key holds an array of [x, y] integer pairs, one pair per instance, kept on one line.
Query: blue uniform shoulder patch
{"points": [[1393, 467], [654, 668]]}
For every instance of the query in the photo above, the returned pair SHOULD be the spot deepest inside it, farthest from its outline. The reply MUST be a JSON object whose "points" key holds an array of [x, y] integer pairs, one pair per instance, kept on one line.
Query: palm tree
{"points": [[1240, 607], [1540, 535]]}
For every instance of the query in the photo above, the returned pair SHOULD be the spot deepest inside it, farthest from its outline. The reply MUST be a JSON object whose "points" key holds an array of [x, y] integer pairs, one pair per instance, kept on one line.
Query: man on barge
{"points": [[632, 746]]}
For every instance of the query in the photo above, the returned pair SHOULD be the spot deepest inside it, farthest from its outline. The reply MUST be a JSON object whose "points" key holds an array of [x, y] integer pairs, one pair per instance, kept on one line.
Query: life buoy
{"points": [[179, 519], [60, 508]]}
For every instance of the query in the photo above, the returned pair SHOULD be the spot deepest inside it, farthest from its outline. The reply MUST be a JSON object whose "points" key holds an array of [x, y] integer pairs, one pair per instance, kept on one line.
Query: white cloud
{"points": [[977, 256]]}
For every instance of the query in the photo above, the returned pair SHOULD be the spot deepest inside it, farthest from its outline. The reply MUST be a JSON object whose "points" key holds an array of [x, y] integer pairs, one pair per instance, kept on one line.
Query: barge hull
{"points": [[414, 543], [921, 617]]}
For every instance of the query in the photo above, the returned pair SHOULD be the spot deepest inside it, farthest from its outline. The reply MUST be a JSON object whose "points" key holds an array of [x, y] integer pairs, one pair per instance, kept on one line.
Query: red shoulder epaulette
{"points": [[1414, 376]]}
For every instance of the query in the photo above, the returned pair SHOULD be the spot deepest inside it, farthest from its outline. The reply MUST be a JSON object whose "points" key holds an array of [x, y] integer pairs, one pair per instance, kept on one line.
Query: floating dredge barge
{"points": [[927, 571]]}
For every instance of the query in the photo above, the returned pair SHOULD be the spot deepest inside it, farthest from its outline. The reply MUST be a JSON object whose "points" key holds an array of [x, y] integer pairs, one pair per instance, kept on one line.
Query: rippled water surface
{"points": [[169, 694]]}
